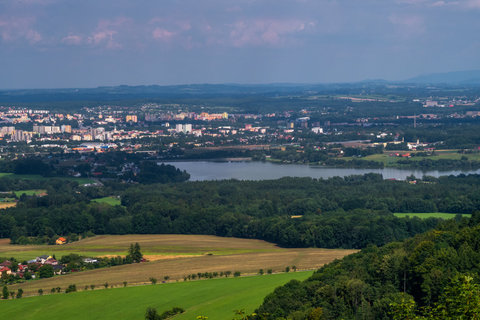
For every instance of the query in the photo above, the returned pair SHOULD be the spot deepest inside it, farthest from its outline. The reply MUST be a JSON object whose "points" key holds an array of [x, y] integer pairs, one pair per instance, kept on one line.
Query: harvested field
{"points": [[187, 254], [5, 205], [152, 245]]}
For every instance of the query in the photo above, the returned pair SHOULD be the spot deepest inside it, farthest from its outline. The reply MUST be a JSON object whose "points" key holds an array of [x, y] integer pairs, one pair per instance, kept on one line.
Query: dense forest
{"points": [[350, 212], [431, 276], [113, 166]]}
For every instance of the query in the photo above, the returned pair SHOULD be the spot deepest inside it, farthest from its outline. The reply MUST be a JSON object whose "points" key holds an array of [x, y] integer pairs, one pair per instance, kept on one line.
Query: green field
{"points": [[39, 177], [427, 215], [33, 192], [388, 160], [113, 201], [216, 299]]}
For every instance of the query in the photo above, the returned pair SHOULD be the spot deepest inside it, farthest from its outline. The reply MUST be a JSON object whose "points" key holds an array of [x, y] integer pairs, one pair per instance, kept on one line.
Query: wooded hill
{"points": [[431, 276]]}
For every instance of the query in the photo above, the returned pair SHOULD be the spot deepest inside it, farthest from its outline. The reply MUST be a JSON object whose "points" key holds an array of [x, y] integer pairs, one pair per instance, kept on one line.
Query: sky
{"points": [[90, 43]]}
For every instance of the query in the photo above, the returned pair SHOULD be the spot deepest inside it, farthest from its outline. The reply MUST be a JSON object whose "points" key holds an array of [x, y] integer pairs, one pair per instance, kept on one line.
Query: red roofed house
{"points": [[61, 240], [5, 269], [6, 263]]}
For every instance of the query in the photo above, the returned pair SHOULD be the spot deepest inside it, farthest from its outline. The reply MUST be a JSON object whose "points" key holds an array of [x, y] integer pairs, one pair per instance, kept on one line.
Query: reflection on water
{"points": [[253, 170]]}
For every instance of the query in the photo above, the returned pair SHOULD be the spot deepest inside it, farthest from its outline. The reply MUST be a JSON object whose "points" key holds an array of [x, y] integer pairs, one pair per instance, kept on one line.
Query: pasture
{"points": [[216, 299], [33, 192], [174, 256], [113, 201], [39, 177], [389, 160], [427, 215]]}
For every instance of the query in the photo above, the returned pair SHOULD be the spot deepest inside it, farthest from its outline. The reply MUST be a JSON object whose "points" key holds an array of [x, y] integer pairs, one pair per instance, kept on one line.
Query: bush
{"points": [[170, 313], [5, 293], [71, 288], [152, 314], [46, 271]]}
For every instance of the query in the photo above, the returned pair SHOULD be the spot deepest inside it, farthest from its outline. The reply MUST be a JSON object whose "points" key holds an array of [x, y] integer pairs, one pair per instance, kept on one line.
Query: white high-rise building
{"points": [[183, 128]]}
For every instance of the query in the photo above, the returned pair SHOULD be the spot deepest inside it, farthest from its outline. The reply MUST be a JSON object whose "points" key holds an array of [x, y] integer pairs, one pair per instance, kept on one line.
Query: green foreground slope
{"points": [[217, 299]]}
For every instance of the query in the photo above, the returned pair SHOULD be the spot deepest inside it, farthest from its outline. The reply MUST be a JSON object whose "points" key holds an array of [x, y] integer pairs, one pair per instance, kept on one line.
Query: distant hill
{"points": [[471, 77], [123, 92], [166, 94]]}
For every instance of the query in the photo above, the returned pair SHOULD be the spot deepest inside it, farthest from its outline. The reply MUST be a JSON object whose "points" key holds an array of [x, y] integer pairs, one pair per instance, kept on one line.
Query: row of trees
{"points": [[6, 294]]}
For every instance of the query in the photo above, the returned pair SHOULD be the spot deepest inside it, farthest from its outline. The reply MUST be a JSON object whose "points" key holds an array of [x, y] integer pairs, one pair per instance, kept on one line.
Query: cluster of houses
{"points": [[34, 264], [6, 267]]}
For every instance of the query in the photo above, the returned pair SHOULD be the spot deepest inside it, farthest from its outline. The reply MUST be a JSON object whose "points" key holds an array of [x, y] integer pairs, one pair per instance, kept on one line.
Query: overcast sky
{"points": [[88, 43]]}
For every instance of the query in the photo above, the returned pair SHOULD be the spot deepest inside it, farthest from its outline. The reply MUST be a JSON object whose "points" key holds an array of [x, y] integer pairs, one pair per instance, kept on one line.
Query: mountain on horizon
{"points": [[456, 77]]}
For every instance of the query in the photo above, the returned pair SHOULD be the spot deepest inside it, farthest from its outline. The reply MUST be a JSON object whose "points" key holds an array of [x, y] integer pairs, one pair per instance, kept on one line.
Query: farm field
{"points": [[33, 192], [170, 255], [5, 205], [427, 215], [216, 299], [113, 201], [153, 246], [39, 177], [439, 154]]}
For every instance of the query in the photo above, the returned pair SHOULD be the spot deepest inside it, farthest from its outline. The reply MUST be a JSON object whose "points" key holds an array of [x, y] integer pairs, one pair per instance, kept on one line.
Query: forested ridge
{"points": [[350, 212], [430, 276]]}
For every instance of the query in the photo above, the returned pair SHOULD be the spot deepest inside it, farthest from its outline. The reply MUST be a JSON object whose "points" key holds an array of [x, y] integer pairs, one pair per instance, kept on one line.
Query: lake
{"points": [[256, 170]]}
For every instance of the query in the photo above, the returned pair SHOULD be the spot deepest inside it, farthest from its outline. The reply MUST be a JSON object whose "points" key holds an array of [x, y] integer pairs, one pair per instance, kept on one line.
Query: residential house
{"points": [[51, 261], [42, 259], [61, 240], [6, 270]]}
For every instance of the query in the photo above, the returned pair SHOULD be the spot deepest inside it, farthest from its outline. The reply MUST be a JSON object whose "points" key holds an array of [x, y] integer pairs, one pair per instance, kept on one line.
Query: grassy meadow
{"points": [[390, 161], [216, 299], [113, 201], [427, 215], [33, 192], [39, 177]]}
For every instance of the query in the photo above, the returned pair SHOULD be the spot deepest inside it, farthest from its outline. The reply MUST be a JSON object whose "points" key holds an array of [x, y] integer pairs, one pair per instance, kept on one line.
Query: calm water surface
{"points": [[253, 170]]}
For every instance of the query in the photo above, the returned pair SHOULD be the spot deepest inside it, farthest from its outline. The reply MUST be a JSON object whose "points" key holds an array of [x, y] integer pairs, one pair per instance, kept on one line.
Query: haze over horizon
{"points": [[66, 43]]}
